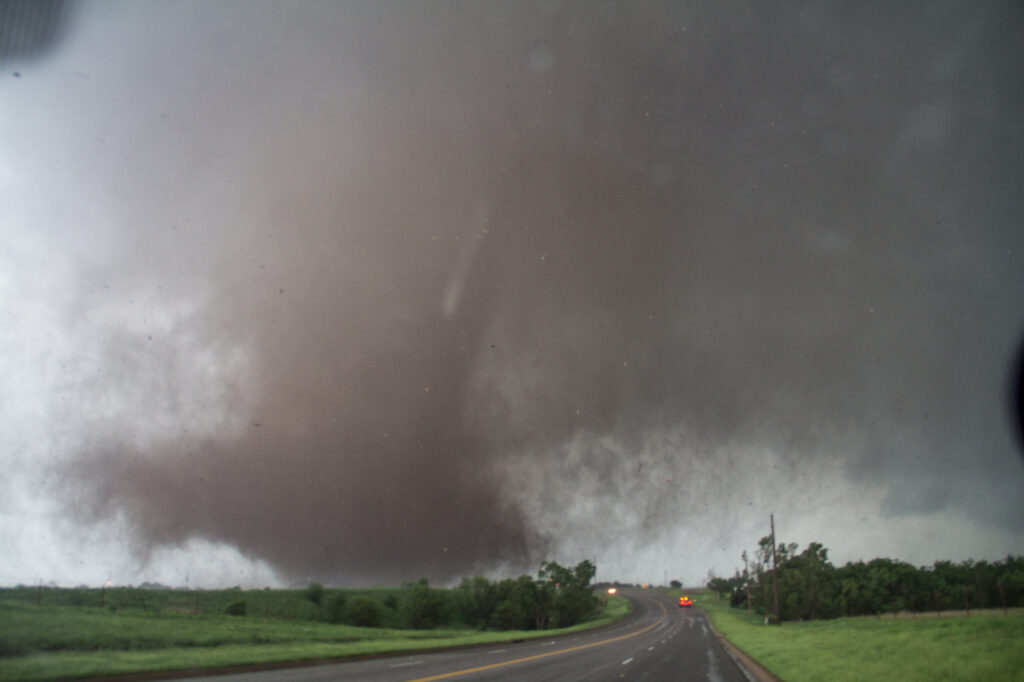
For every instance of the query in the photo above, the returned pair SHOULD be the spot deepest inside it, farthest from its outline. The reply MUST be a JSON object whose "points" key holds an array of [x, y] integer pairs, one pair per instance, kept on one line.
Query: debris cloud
{"points": [[376, 291]]}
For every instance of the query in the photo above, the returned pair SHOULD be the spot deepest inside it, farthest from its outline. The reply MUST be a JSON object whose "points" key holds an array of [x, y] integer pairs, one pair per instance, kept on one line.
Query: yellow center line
{"points": [[467, 671]]}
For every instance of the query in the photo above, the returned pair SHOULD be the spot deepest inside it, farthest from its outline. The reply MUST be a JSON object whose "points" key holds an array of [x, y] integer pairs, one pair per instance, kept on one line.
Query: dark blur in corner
{"points": [[1015, 395], [29, 29]]}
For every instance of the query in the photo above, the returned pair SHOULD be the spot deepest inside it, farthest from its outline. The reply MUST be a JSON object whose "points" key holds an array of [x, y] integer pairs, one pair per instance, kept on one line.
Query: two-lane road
{"points": [[658, 641]]}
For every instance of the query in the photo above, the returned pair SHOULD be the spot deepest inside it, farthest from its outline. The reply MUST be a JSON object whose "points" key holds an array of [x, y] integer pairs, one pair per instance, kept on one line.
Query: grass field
{"points": [[986, 646], [286, 604], [52, 641]]}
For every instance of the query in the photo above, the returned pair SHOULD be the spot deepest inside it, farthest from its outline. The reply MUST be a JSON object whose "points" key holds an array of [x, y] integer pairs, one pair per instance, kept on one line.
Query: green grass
{"points": [[982, 647], [286, 604], [64, 642]]}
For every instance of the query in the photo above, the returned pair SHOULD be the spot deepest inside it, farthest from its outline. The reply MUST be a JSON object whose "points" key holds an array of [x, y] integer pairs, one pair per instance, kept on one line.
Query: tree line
{"points": [[560, 596], [811, 588]]}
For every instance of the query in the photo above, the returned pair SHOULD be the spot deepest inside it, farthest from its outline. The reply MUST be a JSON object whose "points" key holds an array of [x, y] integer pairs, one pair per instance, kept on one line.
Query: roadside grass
{"points": [[982, 647], [55, 642]]}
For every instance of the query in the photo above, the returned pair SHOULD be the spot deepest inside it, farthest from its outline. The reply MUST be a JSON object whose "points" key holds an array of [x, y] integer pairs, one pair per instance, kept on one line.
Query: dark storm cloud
{"points": [[451, 235]]}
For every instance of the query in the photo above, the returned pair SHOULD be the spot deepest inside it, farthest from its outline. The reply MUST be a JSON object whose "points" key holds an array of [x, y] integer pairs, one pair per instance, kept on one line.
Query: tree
{"points": [[336, 607], [523, 604], [236, 608], [363, 612], [423, 607], [477, 599], [723, 587], [559, 596], [509, 615], [314, 592], [811, 588], [808, 582], [573, 598]]}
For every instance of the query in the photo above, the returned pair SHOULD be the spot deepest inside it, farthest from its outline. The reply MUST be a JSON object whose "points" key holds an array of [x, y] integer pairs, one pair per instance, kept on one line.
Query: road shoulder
{"points": [[751, 669]]}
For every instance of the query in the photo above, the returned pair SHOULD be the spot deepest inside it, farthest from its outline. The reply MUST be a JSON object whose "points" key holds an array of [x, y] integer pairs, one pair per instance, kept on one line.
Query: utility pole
{"points": [[775, 575], [746, 581]]}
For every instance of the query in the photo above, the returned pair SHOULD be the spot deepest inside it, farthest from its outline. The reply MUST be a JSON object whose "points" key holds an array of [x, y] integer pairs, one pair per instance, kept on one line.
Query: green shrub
{"points": [[236, 608], [476, 599], [509, 615], [423, 607], [315, 593], [363, 612], [572, 606], [336, 608]]}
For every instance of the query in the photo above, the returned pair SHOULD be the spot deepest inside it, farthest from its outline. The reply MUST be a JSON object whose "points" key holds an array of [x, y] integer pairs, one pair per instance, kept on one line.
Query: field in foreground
{"points": [[984, 646], [65, 642]]}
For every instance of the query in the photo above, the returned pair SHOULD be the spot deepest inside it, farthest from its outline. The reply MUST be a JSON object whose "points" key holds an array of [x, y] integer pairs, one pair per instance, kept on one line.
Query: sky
{"points": [[372, 291]]}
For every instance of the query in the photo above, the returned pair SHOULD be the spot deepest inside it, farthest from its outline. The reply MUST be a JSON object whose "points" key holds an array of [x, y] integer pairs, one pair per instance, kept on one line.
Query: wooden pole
{"points": [[775, 575], [746, 574]]}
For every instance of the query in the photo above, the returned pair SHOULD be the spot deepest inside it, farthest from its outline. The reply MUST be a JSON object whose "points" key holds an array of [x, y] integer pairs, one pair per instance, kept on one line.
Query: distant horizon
{"points": [[301, 584]]}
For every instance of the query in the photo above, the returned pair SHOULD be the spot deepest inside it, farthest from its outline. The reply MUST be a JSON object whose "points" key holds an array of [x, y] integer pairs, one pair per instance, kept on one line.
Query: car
{"points": [[685, 601]]}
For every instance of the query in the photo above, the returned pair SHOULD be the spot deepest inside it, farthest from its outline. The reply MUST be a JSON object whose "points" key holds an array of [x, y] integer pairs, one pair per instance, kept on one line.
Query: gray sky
{"points": [[363, 292]]}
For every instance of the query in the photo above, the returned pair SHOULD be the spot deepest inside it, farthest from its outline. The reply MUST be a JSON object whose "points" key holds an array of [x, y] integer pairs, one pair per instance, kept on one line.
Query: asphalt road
{"points": [[658, 641]]}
